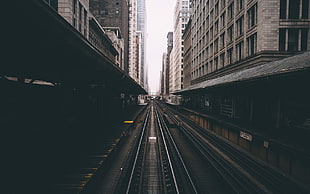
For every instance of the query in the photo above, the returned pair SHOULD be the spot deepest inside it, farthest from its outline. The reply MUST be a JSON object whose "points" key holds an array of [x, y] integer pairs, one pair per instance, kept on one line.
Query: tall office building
{"points": [[113, 15], [129, 17], [230, 35], [187, 59], [162, 74], [132, 60], [166, 65], [182, 14], [141, 26]]}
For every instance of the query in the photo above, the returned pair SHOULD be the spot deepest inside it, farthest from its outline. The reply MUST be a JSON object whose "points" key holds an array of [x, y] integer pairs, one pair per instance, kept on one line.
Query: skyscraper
{"points": [[113, 14], [141, 26], [181, 16]]}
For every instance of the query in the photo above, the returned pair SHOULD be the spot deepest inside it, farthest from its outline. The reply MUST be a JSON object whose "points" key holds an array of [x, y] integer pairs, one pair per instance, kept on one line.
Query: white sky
{"points": [[159, 22]]}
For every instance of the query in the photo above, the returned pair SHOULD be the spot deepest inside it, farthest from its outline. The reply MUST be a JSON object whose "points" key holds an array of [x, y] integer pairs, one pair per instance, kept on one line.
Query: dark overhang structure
{"points": [[39, 44]]}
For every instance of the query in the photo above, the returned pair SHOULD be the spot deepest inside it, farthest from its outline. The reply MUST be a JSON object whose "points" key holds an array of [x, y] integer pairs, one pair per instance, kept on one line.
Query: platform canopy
{"points": [[284, 67], [39, 44]]}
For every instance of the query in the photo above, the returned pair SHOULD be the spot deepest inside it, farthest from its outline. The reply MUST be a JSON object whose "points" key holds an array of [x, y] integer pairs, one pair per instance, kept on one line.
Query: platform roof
{"points": [[41, 45], [289, 65]]}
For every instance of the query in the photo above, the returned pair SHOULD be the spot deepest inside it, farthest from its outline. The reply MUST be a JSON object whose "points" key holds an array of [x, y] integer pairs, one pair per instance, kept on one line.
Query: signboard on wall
{"points": [[246, 136]]}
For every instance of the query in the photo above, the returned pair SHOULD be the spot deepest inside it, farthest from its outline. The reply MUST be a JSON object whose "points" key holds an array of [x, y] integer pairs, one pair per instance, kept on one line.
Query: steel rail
{"points": [[237, 180], [168, 154], [138, 151], [169, 137]]}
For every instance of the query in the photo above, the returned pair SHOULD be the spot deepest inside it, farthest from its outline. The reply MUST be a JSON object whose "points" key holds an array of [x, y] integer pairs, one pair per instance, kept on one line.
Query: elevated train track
{"points": [[157, 165], [243, 173], [171, 154]]}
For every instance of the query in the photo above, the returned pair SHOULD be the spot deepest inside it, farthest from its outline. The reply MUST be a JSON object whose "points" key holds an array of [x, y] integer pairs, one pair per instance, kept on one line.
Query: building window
{"points": [[252, 44], [211, 66], [222, 60], [230, 32], [53, 4], [293, 12], [216, 45], [283, 9], [293, 39], [304, 39], [80, 17], [223, 20], [216, 10], [74, 12], [240, 26], [239, 51], [230, 56], [294, 9], [216, 27], [216, 63], [231, 10], [222, 37], [239, 5], [305, 9], [282, 39], [252, 16], [85, 22]]}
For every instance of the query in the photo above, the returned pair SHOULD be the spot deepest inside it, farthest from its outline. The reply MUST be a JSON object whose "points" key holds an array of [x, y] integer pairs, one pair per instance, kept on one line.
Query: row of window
{"points": [[214, 29], [211, 38], [293, 39], [232, 55], [222, 40], [213, 12], [219, 43], [294, 9], [289, 9]]}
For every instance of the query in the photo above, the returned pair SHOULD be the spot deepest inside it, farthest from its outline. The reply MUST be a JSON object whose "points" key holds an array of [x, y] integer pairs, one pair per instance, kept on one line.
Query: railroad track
{"points": [[243, 173], [157, 166]]}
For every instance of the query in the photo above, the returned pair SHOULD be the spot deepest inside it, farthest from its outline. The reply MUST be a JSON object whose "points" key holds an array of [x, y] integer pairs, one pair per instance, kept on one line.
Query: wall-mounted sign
{"points": [[246, 136]]}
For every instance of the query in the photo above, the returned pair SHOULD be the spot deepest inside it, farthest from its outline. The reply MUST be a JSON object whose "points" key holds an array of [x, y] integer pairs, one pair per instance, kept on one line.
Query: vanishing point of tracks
{"points": [[158, 166]]}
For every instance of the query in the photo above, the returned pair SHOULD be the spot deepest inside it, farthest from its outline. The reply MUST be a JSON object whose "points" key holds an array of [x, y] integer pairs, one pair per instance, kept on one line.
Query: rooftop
{"points": [[284, 66]]}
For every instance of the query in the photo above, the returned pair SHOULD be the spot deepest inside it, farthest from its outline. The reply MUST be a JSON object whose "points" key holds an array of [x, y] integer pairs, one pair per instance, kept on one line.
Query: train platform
{"points": [[106, 180], [283, 150], [282, 138], [53, 159]]}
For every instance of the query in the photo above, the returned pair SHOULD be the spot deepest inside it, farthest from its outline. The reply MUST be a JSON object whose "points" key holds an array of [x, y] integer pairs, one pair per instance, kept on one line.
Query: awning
{"points": [[297, 63], [39, 44]]}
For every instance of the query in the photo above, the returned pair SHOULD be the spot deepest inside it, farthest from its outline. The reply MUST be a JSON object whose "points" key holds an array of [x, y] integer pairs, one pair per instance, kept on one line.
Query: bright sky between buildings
{"points": [[159, 22]]}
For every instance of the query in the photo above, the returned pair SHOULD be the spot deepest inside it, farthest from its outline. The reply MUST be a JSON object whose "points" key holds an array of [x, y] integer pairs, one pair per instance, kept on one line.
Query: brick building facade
{"points": [[113, 14], [230, 35]]}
